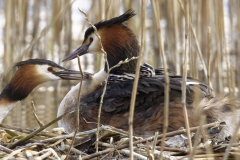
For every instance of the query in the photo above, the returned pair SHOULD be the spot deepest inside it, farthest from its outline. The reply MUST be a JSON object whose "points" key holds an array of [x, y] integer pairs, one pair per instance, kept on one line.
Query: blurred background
{"points": [[52, 29]]}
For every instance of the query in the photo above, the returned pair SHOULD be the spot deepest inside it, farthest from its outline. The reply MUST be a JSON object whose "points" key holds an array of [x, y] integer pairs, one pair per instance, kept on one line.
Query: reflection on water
{"points": [[46, 98]]}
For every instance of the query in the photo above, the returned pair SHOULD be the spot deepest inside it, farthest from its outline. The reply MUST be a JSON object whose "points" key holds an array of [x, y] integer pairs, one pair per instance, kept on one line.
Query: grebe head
{"points": [[117, 39], [31, 73]]}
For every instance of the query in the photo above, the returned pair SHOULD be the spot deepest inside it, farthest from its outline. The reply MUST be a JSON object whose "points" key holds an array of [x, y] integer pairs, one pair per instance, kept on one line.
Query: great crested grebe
{"points": [[120, 43], [31, 73]]}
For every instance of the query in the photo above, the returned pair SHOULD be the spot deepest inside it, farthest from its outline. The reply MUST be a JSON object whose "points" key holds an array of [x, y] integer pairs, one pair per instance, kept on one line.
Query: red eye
{"points": [[91, 39], [50, 69]]}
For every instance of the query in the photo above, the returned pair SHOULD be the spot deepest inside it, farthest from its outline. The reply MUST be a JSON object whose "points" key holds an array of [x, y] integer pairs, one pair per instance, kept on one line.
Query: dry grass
{"points": [[45, 30], [52, 29]]}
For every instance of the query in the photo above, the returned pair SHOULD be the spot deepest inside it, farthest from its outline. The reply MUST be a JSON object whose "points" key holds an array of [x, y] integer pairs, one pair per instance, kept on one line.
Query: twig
{"points": [[197, 43], [105, 144], [100, 109], [78, 106], [5, 149], [12, 154], [193, 129], [209, 56], [49, 152], [166, 78], [123, 62], [169, 149], [104, 89], [45, 155], [54, 144], [135, 155], [135, 83], [35, 115], [27, 130], [96, 154], [149, 155], [154, 142], [209, 155], [108, 9], [184, 77], [103, 93], [53, 139], [73, 150], [197, 135], [225, 145], [225, 50], [37, 131]]}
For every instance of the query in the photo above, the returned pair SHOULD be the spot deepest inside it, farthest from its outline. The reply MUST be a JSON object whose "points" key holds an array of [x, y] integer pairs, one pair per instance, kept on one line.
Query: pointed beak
{"points": [[68, 74], [78, 52]]}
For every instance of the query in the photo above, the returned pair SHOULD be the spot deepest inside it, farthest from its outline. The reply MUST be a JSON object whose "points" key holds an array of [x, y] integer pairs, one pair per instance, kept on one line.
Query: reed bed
{"points": [[198, 39]]}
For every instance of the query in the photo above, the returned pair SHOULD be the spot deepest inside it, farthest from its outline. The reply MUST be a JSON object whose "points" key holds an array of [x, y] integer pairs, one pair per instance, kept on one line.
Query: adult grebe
{"points": [[120, 43]]}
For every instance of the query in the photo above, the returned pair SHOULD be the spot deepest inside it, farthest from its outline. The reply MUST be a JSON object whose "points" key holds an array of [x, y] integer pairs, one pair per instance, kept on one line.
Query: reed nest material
{"points": [[52, 29], [113, 143]]}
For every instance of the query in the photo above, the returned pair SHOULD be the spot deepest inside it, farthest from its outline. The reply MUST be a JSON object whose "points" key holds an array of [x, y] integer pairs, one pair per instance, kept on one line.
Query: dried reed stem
{"points": [[27, 130], [5, 149], [209, 155], [78, 107], [136, 79], [209, 57], [104, 89], [230, 71], [154, 142], [225, 51], [184, 77], [166, 78], [108, 9], [196, 41], [197, 135], [169, 134], [135, 155], [219, 46], [35, 115], [79, 91], [56, 138], [103, 93], [37, 131]]}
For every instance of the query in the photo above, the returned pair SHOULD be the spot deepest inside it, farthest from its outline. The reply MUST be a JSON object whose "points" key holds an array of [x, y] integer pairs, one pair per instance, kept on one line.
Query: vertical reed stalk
{"points": [[196, 41], [225, 51], [166, 78], [135, 84], [176, 42], [197, 135], [184, 78], [105, 86], [219, 46], [209, 57], [78, 107]]}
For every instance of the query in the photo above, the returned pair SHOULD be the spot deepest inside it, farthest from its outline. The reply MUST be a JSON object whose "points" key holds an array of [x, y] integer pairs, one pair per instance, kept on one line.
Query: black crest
{"points": [[107, 23], [38, 62]]}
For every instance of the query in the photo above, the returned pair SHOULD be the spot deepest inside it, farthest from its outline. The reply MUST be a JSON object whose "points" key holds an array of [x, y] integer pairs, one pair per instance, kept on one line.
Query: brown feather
{"points": [[120, 43], [30, 80]]}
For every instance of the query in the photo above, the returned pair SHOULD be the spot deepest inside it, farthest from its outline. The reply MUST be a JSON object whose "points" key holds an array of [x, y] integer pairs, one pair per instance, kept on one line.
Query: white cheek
{"points": [[51, 77], [95, 45], [43, 71]]}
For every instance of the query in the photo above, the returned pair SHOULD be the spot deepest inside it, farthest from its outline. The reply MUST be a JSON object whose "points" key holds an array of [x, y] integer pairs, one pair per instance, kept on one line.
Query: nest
{"points": [[113, 143]]}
